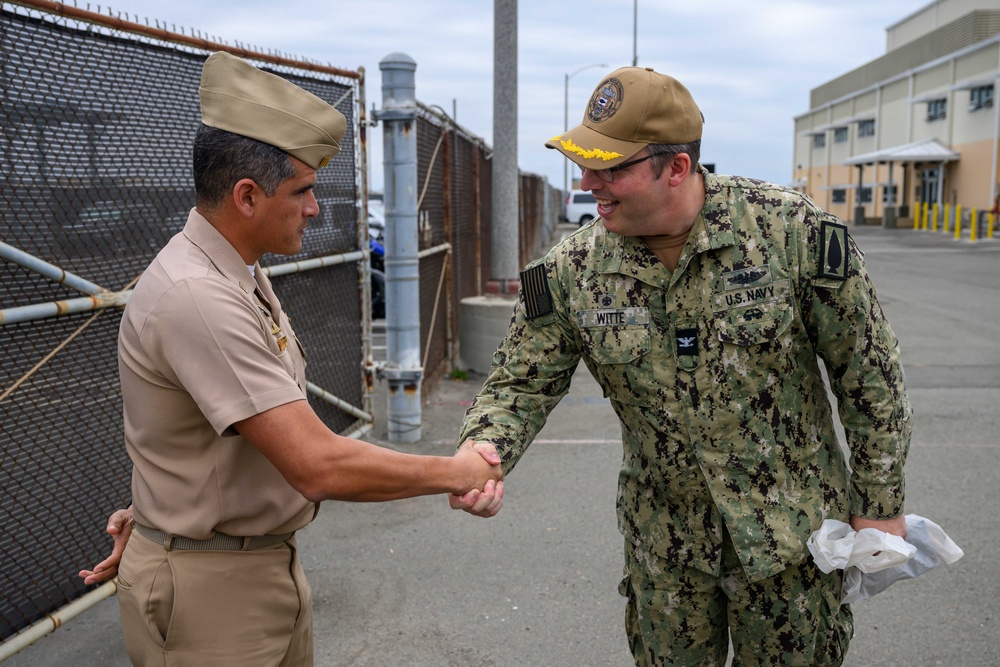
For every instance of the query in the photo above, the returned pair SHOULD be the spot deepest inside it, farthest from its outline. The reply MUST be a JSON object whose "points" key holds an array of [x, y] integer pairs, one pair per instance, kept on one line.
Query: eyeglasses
{"points": [[608, 175]]}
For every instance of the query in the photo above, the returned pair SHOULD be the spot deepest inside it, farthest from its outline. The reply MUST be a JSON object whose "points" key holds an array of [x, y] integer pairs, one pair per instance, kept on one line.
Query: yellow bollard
{"points": [[989, 225], [947, 218], [926, 213], [958, 221], [934, 220], [973, 224]]}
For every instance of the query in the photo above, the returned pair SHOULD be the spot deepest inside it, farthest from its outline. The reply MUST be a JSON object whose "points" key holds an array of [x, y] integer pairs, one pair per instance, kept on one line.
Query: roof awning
{"points": [[854, 186], [969, 84], [929, 97], [826, 127], [822, 129], [860, 118], [928, 150]]}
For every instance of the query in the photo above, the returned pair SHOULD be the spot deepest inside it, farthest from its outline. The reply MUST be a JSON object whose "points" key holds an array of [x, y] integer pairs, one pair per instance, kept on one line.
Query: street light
{"points": [[635, 32], [566, 118]]}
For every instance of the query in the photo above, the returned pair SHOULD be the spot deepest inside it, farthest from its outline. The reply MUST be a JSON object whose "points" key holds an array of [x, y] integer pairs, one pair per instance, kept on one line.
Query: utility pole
{"points": [[635, 33], [504, 260]]}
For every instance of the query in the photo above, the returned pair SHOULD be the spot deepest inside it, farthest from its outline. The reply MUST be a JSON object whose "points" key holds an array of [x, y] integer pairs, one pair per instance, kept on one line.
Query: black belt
{"points": [[218, 542]]}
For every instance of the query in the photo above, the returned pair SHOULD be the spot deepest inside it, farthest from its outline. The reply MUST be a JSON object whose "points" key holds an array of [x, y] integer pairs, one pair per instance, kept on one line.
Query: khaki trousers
{"points": [[214, 607]]}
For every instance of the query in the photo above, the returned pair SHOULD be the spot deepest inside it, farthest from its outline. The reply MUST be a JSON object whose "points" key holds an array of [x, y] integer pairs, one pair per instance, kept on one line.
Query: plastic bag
{"points": [[837, 546]]}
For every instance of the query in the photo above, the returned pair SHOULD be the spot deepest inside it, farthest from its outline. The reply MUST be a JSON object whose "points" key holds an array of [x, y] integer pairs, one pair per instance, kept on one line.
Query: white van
{"points": [[581, 207]]}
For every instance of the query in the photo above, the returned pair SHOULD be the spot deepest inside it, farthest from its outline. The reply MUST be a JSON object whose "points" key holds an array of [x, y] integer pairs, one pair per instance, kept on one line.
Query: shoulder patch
{"points": [[833, 249], [535, 292]]}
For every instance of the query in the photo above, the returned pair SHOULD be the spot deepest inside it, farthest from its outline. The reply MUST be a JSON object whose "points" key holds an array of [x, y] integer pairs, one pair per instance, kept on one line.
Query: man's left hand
{"points": [[895, 526]]}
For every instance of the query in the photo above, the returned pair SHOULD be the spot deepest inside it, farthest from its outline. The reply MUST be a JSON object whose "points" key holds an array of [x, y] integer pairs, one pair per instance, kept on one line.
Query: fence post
{"points": [[403, 369]]}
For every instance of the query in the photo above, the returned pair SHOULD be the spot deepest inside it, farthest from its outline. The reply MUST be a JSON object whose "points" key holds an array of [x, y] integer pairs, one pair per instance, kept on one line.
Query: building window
{"points": [[885, 194], [840, 196], [819, 140], [840, 135], [865, 195], [866, 128], [981, 97], [937, 109]]}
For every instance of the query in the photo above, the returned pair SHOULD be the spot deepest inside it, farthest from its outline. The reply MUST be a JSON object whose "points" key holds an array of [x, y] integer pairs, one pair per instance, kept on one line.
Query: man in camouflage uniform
{"points": [[700, 303]]}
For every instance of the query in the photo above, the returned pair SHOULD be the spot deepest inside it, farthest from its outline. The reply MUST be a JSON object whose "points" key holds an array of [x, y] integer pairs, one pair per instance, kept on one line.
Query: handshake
{"points": [[472, 478], [487, 500]]}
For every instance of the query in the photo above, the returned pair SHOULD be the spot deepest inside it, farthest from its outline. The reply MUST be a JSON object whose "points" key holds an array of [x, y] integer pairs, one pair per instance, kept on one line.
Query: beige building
{"points": [[918, 124]]}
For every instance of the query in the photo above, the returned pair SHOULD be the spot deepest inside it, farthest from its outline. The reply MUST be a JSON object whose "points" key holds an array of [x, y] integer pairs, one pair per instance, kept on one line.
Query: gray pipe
{"points": [[403, 369]]}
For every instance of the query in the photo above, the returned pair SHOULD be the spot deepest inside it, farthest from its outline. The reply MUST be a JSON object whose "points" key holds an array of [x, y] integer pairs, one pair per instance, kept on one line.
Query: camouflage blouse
{"points": [[713, 371]]}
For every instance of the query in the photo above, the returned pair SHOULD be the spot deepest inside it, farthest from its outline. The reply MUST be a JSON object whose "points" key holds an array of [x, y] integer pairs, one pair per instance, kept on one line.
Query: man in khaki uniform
{"points": [[702, 304], [228, 458]]}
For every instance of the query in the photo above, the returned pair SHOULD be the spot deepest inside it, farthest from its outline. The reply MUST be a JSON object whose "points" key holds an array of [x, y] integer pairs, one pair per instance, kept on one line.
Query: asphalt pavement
{"points": [[414, 583]]}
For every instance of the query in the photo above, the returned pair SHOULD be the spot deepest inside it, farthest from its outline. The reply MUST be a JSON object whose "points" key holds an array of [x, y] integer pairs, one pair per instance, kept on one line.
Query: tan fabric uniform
{"points": [[203, 345]]}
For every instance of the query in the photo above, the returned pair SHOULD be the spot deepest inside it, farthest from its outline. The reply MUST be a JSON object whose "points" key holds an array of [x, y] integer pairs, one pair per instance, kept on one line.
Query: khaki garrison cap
{"points": [[239, 98], [632, 108]]}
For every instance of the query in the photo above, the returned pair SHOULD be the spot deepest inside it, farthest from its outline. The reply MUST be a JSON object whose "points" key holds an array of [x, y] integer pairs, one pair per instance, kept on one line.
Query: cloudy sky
{"points": [[749, 65]]}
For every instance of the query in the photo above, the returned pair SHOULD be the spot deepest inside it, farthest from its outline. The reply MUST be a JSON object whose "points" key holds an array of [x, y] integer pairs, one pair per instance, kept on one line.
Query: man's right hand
{"points": [[120, 528], [487, 501]]}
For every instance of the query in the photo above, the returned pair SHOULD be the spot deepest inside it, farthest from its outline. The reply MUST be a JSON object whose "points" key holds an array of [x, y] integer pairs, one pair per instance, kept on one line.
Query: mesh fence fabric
{"points": [[95, 155]]}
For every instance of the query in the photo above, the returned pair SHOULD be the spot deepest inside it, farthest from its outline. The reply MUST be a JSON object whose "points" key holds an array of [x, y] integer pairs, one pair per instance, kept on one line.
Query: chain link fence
{"points": [[95, 177], [98, 117], [454, 177]]}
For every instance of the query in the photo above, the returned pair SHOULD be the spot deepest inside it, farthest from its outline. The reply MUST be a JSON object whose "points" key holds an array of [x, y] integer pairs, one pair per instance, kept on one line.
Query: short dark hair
{"points": [[664, 153], [221, 159]]}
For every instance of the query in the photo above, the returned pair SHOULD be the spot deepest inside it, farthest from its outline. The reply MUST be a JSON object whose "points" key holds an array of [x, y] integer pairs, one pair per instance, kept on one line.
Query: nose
{"points": [[588, 181], [311, 209]]}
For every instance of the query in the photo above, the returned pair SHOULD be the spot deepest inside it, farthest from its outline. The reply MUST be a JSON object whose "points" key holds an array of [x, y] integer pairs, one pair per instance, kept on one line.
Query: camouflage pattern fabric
{"points": [[679, 616], [712, 370]]}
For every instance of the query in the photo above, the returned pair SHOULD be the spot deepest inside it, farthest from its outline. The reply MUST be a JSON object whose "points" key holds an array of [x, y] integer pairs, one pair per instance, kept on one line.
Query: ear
{"points": [[679, 169], [246, 194]]}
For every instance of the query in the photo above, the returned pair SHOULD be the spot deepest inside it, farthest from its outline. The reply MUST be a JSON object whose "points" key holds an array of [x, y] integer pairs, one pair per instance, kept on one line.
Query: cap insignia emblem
{"points": [[605, 101]]}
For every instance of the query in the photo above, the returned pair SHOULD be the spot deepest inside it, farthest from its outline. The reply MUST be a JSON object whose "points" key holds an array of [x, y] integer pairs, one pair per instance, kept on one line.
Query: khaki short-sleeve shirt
{"points": [[202, 345]]}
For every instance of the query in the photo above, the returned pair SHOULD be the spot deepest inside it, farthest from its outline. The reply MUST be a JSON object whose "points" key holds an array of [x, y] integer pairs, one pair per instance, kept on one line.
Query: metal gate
{"points": [[98, 117]]}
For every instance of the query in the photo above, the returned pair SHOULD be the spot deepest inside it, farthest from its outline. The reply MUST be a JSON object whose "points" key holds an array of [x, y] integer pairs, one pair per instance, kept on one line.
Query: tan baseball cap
{"points": [[632, 108], [239, 98]]}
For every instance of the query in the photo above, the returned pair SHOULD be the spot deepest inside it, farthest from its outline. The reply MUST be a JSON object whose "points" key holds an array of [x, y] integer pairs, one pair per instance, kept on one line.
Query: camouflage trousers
{"points": [[680, 616]]}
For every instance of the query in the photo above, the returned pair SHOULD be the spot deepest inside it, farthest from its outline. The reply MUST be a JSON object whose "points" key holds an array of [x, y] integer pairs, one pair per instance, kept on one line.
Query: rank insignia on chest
{"points": [[833, 250], [283, 343], [687, 342]]}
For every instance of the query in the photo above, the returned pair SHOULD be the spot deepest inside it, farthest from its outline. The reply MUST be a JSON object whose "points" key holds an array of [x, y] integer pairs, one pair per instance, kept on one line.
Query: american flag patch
{"points": [[535, 292]]}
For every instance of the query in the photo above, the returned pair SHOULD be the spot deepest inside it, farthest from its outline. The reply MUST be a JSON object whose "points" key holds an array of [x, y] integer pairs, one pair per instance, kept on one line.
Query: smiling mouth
{"points": [[605, 206]]}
